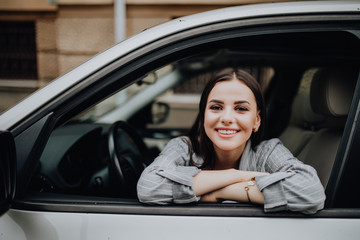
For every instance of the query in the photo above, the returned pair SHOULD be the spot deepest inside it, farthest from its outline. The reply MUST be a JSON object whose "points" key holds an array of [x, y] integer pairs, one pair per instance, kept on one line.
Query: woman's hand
{"points": [[209, 197]]}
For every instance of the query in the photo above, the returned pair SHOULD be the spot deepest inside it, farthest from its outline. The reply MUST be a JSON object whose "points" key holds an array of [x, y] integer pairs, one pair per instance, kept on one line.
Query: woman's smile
{"points": [[226, 132]]}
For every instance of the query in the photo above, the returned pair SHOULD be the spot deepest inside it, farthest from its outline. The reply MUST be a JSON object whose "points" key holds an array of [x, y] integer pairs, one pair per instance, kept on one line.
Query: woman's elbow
{"points": [[152, 193], [143, 195], [314, 202]]}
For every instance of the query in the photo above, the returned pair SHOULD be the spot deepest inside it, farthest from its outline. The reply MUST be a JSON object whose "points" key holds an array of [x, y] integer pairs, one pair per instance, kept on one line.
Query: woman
{"points": [[223, 158]]}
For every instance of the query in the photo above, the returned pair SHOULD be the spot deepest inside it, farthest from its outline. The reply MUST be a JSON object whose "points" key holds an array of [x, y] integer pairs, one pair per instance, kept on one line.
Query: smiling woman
{"points": [[223, 158]]}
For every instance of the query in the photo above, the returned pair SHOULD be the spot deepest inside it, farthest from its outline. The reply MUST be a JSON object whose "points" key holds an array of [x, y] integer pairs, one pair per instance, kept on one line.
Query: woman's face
{"points": [[230, 116]]}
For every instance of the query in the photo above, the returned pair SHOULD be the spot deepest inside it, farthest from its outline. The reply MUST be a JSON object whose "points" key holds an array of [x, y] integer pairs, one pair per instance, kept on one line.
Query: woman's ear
{"points": [[257, 122]]}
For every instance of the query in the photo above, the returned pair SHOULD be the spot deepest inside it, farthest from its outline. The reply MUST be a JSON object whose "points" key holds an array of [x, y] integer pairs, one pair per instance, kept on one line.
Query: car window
{"points": [[153, 108], [79, 157]]}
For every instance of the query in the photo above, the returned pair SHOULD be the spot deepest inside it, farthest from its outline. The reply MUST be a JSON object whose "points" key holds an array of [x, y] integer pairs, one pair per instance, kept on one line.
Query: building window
{"points": [[17, 50]]}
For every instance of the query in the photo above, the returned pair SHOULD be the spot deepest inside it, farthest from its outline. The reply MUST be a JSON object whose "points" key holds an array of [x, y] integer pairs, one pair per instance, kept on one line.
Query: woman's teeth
{"points": [[227, 131]]}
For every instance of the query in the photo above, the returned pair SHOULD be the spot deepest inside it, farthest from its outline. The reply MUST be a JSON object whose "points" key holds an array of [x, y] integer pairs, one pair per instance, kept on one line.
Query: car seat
{"points": [[331, 94], [302, 126]]}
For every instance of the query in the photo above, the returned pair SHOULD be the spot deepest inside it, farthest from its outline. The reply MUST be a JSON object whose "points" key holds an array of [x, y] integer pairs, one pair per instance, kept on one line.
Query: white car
{"points": [[71, 153]]}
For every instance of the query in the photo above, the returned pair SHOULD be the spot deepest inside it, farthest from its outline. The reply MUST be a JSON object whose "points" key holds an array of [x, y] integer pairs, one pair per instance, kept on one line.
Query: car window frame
{"points": [[128, 66], [343, 178]]}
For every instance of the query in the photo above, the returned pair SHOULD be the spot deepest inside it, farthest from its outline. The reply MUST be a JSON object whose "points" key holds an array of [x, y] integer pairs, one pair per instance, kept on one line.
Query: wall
{"points": [[68, 32]]}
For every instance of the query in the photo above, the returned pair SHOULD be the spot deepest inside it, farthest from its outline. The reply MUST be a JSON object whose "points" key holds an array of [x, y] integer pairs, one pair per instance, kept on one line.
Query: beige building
{"points": [[42, 39]]}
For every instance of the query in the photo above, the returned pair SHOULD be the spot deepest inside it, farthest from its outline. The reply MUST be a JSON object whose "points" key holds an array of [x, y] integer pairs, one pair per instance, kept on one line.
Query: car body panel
{"points": [[112, 226]]}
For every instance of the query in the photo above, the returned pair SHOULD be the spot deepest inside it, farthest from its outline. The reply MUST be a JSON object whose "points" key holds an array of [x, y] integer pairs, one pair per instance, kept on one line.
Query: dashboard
{"points": [[73, 156]]}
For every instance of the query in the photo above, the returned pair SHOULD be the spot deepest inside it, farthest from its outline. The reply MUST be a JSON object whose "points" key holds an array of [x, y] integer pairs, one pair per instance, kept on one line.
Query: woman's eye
{"points": [[242, 109], [215, 107]]}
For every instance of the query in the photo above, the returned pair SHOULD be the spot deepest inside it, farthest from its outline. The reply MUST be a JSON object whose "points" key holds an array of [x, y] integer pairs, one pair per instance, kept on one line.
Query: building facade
{"points": [[42, 39]]}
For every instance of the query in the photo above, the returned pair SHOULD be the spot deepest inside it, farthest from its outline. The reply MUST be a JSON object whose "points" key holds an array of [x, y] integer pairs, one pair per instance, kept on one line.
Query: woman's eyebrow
{"points": [[236, 102], [216, 101], [241, 102]]}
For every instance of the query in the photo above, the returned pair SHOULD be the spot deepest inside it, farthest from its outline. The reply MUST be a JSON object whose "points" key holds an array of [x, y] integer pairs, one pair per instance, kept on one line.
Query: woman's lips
{"points": [[227, 132]]}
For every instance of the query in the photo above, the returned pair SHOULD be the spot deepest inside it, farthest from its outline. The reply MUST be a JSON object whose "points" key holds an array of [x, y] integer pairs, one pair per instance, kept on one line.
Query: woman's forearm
{"points": [[242, 192], [212, 180]]}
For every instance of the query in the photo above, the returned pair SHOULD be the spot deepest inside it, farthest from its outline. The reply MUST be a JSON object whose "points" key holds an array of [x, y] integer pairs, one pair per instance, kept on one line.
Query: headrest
{"points": [[332, 91], [302, 112]]}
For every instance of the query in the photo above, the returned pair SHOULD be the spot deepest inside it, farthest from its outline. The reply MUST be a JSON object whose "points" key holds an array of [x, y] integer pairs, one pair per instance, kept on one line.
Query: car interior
{"points": [[308, 84], [318, 119]]}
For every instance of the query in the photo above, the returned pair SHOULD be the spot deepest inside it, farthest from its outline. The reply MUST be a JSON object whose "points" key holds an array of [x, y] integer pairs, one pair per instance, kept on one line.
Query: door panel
{"points": [[46, 225]]}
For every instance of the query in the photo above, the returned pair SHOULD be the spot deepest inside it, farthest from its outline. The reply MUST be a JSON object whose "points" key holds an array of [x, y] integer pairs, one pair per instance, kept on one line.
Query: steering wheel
{"points": [[127, 155]]}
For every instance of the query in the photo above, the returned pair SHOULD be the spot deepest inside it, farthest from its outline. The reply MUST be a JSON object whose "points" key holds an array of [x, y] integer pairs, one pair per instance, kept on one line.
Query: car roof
{"points": [[103, 59]]}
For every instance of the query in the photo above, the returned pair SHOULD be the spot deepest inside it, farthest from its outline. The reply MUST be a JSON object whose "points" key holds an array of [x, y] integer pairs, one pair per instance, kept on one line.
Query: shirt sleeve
{"points": [[169, 178], [291, 185]]}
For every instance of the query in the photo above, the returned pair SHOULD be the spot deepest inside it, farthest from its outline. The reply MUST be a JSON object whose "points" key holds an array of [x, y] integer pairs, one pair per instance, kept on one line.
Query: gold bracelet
{"points": [[250, 183]]}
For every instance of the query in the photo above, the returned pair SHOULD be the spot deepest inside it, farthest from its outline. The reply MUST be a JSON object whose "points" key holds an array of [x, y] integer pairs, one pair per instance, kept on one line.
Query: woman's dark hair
{"points": [[200, 144]]}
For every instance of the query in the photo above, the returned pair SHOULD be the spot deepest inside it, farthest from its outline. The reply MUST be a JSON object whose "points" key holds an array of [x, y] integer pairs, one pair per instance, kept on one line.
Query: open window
{"points": [[105, 134]]}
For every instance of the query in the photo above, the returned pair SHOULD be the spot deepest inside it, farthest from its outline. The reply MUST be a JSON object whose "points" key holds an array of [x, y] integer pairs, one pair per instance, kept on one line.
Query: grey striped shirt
{"points": [[291, 184]]}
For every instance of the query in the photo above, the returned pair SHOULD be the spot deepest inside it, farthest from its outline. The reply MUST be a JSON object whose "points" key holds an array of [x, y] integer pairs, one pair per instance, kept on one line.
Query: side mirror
{"points": [[160, 112], [7, 170]]}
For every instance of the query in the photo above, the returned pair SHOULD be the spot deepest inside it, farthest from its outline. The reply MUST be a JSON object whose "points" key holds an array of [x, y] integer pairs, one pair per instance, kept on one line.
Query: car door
{"points": [[54, 214], [7, 170]]}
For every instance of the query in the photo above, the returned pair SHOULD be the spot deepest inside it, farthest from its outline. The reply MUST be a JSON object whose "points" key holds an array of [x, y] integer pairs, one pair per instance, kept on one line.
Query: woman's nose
{"points": [[227, 118]]}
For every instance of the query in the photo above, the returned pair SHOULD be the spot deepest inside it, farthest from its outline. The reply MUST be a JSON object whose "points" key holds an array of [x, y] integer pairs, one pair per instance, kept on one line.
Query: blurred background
{"points": [[42, 39]]}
